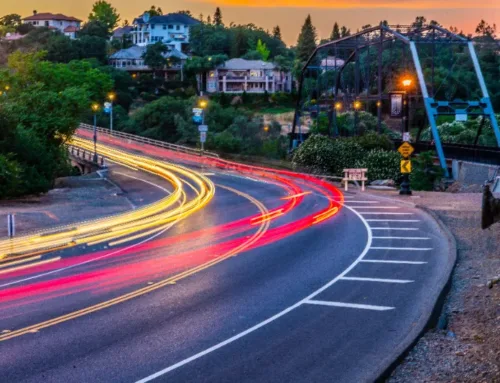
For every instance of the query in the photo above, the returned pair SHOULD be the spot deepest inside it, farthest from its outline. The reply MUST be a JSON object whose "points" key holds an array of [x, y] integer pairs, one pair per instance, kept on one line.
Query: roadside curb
{"points": [[435, 318]]}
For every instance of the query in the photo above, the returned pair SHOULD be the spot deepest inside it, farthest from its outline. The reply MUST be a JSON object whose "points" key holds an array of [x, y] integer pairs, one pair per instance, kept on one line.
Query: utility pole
{"points": [[95, 108]]}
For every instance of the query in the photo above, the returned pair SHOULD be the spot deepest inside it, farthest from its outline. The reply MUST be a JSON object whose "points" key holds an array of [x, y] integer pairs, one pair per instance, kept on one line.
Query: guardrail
{"points": [[85, 155], [150, 141]]}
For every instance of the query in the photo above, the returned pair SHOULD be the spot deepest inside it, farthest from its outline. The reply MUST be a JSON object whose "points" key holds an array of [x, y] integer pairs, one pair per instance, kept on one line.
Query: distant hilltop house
{"points": [[120, 33], [171, 29], [251, 76], [66, 24], [131, 60]]}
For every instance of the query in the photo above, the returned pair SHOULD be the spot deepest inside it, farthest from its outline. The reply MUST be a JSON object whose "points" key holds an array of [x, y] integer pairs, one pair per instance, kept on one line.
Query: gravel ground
{"points": [[74, 199], [468, 350]]}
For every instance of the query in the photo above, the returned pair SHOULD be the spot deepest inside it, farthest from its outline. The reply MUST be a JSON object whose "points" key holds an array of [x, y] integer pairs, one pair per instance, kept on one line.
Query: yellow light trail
{"points": [[136, 224]]}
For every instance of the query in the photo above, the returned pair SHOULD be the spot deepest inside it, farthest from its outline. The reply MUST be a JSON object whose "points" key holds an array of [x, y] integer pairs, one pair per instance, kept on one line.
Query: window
{"points": [[46, 23], [164, 26], [177, 27], [60, 22], [152, 26], [170, 26]]}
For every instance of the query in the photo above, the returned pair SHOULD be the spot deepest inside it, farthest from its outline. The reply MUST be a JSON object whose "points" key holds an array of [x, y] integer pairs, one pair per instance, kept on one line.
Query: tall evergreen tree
{"points": [[335, 32], [218, 17], [240, 45], [306, 42], [344, 32], [277, 32]]}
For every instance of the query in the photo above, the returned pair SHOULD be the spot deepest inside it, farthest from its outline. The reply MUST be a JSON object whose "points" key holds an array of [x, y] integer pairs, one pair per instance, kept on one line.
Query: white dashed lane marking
{"points": [[349, 305], [394, 262], [382, 280]]}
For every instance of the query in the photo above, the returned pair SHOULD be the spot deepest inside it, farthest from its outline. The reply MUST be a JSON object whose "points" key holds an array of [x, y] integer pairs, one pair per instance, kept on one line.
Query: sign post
{"points": [[405, 150], [11, 225]]}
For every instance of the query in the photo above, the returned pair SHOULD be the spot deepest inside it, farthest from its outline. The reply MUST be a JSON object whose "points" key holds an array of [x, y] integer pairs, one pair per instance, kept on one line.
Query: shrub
{"points": [[424, 173], [381, 165], [372, 140]]}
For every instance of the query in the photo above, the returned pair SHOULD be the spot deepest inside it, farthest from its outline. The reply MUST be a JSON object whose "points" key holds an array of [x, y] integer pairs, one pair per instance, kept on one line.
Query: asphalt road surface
{"points": [[292, 297]]}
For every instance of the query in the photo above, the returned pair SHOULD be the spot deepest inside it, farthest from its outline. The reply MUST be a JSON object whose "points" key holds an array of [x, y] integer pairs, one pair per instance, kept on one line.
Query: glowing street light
{"points": [[407, 82], [266, 128], [379, 104], [357, 105], [111, 98], [7, 87], [203, 104], [338, 106], [95, 109]]}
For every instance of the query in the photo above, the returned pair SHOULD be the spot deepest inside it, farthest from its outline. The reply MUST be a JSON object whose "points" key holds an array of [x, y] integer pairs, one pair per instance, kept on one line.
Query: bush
{"points": [[10, 177], [381, 165], [372, 140], [425, 173]]}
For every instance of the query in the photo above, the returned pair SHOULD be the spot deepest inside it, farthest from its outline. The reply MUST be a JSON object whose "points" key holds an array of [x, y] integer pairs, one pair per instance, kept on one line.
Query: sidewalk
{"points": [[468, 348], [74, 199]]}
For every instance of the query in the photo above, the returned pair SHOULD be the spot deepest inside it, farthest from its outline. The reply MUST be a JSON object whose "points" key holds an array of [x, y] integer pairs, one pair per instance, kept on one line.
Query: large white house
{"points": [[171, 29], [251, 76], [66, 24]]}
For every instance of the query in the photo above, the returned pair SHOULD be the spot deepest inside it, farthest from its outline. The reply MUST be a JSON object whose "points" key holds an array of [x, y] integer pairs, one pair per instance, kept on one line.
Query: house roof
{"points": [[119, 32], [70, 29], [136, 52], [180, 18], [51, 16], [242, 64]]}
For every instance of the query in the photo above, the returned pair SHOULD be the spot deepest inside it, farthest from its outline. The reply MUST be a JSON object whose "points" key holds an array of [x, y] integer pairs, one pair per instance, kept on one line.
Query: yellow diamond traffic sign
{"points": [[405, 166], [406, 149]]}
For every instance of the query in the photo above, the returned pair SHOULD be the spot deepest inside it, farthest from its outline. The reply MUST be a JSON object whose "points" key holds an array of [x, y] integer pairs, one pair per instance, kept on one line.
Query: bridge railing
{"points": [[85, 155], [150, 141]]}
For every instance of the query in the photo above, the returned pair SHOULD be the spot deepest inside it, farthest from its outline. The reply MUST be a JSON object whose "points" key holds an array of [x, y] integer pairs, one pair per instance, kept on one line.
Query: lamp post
{"points": [[203, 104], [336, 109], [111, 98], [357, 107], [95, 109], [405, 185]]}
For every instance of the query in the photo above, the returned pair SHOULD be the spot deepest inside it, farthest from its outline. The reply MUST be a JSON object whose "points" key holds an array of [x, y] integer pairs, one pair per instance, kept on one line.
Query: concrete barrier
{"points": [[473, 172]]}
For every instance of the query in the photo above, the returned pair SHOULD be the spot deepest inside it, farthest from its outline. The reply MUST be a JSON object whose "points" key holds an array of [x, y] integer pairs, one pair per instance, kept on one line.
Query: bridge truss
{"points": [[360, 71]]}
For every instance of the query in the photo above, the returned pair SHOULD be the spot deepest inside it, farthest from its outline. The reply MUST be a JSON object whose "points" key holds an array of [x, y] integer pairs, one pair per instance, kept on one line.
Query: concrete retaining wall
{"points": [[472, 172]]}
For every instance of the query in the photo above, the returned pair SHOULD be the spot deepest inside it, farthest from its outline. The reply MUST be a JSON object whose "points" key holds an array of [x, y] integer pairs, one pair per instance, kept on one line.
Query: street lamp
{"points": [[111, 98], [202, 104], [95, 109], [405, 185], [357, 107], [266, 128]]}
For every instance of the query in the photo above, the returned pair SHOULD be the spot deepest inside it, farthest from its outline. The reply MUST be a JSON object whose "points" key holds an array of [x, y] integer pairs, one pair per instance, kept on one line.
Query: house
{"points": [[131, 60], [252, 76], [171, 29], [65, 24], [120, 33]]}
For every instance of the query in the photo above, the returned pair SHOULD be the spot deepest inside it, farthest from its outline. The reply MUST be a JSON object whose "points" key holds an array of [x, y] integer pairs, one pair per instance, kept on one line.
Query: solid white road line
{"points": [[412, 238], [402, 248], [392, 220], [355, 201], [274, 317], [395, 228], [383, 280], [384, 213], [375, 207], [395, 262], [349, 305]]}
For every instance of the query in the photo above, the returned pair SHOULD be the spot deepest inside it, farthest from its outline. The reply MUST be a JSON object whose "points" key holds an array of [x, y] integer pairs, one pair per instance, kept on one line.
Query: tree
{"points": [[240, 45], [344, 32], [306, 43], [185, 12], [12, 20], [218, 17], [486, 30], [262, 49], [154, 57], [154, 11], [95, 28], [277, 33], [335, 35], [419, 22], [103, 11]]}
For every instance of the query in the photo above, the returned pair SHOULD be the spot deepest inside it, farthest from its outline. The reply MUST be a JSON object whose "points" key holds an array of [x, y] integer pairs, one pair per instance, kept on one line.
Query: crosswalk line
{"points": [[349, 305]]}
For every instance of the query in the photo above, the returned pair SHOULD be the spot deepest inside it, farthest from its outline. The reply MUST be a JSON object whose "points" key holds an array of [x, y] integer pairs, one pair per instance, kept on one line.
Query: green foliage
{"points": [[381, 164], [425, 173], [95, 28], [103, 11], [372, 140], [277, 32], [154, 57], [45, 104], [306, 42], [11, 20], [335, 35], [457, 132], [262, 49], [218, 17]]}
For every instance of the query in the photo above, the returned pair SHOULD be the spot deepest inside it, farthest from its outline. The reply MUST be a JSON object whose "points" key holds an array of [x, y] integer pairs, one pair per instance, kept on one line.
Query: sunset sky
{"points": [[290, 14]]}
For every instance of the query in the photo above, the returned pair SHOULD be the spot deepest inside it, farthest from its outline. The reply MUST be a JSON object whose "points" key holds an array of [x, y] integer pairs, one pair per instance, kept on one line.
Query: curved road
{"points": [[278, 278]]}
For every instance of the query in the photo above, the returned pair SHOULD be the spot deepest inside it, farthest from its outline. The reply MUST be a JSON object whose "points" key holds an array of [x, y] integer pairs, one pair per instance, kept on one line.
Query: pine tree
{"points": [[240, 45], [306, 44], [218, 17], [344, 32], [209, 20], [277, 32], [335, 32]]}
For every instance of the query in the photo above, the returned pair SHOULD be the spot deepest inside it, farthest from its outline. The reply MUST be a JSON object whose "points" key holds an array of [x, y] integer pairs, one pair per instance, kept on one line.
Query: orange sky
{"points": [[290, 14]]}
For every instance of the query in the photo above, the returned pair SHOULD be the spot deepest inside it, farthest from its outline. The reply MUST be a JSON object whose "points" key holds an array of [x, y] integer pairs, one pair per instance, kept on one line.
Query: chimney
{"points": [[34, 12]]}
